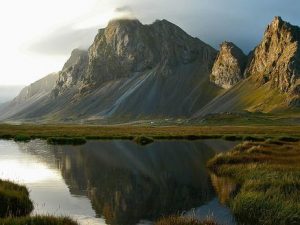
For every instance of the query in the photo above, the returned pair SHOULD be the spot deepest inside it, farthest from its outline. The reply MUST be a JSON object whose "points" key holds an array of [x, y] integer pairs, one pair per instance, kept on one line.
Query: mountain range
{"points": [[134, 71]]}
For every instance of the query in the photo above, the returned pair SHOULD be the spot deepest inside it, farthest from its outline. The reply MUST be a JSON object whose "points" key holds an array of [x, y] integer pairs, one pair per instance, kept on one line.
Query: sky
{"points": [[38, 36]]}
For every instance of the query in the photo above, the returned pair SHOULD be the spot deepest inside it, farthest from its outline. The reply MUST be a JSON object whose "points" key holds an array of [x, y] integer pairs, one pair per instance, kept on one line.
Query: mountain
{"points": [[277, 59], [134, 71], [272, 76], [131, 71]]}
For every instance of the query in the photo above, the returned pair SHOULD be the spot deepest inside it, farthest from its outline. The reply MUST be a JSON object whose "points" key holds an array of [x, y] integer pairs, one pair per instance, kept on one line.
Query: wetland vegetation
{"points": [[268, 179]]}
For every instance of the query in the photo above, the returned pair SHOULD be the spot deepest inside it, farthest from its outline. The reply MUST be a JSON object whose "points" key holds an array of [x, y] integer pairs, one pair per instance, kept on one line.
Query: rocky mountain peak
{"points": [[276, 60], [127, 47], [76, 55], [229, 65], [277, 22]]}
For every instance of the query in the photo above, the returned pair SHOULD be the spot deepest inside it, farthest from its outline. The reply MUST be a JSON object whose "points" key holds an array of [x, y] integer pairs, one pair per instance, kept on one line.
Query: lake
{"points": [[117, 182]]}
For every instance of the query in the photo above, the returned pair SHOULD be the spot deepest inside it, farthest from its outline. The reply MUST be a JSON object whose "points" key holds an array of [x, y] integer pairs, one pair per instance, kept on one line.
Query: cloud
{"points": [[213, 21], [63, 40], [124, 8]]}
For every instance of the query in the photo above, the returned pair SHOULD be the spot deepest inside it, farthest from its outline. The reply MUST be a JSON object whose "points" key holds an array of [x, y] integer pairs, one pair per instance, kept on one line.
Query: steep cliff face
{"points": [[276, 60], [229, 66], [72, 72]]}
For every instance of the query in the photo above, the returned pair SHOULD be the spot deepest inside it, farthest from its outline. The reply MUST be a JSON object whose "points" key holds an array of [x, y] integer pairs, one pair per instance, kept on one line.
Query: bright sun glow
{"points": [[26, 22], [25, 172]]}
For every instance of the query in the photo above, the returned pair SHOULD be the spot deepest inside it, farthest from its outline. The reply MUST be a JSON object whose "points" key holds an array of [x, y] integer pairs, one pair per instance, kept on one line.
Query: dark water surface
{"points": [[117, 182]]}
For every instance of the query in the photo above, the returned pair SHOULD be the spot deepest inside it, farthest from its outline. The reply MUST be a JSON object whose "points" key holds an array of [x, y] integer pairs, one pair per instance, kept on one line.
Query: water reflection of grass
{"points": [[269, 175], [66, 140]]}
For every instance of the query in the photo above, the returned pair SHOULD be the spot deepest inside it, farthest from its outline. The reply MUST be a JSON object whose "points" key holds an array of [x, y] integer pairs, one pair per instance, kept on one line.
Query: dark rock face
{"points": [[277, 58], [229, 66]]}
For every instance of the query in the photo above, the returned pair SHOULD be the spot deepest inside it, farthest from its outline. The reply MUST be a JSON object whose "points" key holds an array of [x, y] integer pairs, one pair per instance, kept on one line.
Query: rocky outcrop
{"points": [[276, 60], [72, 72], [229, 66]]}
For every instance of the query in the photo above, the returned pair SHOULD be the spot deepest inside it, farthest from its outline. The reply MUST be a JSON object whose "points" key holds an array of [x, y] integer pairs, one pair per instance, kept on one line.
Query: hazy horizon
{"points": [[8, 92], [41, 35]]}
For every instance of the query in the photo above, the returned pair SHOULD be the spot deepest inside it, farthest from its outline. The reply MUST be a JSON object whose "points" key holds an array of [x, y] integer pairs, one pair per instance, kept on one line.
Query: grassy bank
{"points": [[268, 176], [181, 220], [14, 200], [15, 207], [161, 132]]}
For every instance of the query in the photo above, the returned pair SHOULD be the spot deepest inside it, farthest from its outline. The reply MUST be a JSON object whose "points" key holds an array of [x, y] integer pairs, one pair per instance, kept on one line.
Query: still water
{"points": [[117, 182]]}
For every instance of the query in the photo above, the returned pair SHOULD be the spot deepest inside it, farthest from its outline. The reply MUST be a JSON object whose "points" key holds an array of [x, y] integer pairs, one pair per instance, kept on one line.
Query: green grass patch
{"points": [[183, 220], [66, 141], [38, 220], [14, 200], [268, 174]]}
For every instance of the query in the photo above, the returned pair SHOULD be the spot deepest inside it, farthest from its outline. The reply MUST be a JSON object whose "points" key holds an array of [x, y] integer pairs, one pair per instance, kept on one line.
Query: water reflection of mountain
{"points": [[127, 182]]}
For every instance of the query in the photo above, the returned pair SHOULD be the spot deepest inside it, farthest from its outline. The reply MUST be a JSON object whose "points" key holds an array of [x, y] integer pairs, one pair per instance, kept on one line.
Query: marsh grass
{"points": [[14, 200], [268, 174], [182, 220], [38, 220], [155, 132]]}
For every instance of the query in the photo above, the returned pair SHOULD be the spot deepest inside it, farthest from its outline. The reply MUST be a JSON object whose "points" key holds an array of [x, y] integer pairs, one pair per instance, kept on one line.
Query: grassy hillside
{"points": [[247, 96]]}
